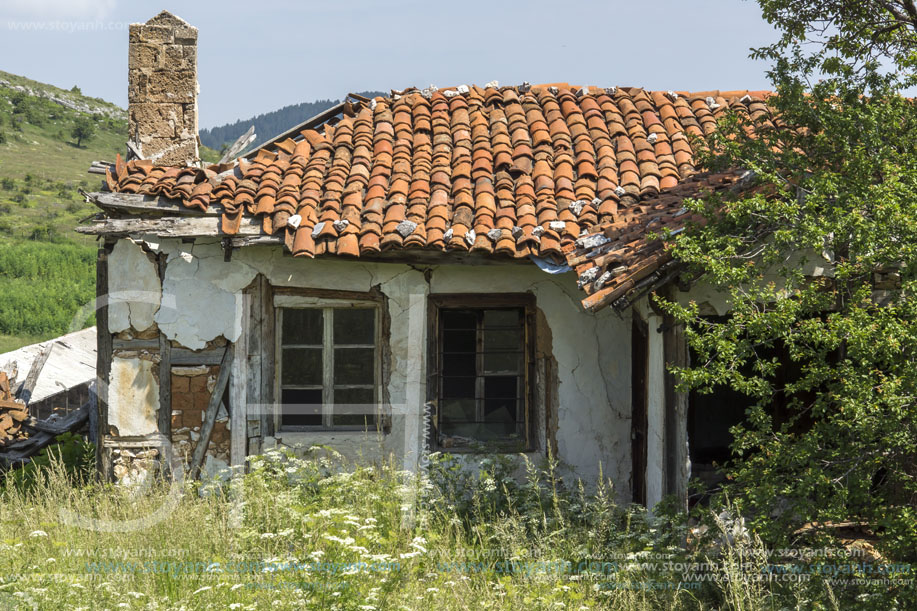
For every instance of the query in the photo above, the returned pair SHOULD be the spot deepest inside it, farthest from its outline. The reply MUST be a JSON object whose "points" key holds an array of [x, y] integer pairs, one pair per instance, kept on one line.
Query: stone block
{"points": [[179, 86], [162, 120], [157, 34], [186, 35], [144, 57], [177, 57], [184, 153]]}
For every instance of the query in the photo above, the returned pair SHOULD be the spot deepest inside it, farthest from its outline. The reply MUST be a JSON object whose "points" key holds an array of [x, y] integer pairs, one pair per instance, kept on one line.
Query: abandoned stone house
{"points": [[463, 269]]}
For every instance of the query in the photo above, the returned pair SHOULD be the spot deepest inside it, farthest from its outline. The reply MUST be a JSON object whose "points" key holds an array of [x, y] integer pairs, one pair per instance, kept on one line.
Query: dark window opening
{"points": [[482, 382]]}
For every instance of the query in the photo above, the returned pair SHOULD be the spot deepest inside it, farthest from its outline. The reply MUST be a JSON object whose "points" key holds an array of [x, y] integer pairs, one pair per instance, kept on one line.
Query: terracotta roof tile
{"points": [[618, 258], [512, 171]]}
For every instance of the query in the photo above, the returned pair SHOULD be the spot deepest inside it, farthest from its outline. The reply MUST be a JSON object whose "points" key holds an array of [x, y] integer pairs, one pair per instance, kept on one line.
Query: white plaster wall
{"points": [[592, 350], [133, 288], [133, 397]]}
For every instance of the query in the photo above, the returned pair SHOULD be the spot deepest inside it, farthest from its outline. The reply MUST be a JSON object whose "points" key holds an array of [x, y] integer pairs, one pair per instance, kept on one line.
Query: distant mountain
{"points": [[269, 124]]}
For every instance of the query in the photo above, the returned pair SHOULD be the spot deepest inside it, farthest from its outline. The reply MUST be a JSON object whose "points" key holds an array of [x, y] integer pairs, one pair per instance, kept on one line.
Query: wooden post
{"points": [[165, 386], [238, 382], [678, 462], [267, 362], [210, 416], [103, 357]]}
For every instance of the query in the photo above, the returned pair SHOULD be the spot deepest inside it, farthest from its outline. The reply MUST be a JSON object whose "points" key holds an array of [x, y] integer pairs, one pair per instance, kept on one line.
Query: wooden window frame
{"points": [[326, 300], [481, 301]]}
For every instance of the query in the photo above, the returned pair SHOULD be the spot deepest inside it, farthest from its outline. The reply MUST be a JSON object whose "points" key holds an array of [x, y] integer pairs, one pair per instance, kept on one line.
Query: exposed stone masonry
{"points": [[162, 90]]}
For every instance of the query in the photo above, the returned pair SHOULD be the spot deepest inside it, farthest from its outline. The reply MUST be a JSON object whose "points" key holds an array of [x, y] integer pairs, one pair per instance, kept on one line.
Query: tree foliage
{"points": [[84, 128], [819, 261]]}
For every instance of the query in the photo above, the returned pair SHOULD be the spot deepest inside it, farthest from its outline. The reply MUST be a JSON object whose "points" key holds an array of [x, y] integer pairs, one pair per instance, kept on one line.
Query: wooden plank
{"points": [[70, 422], [165, 386], [238, 380], [210, 416], [254, 400], [185, 357], [93, 417], [135, 202], [321, 294], [239, 145], [150, 345], [170, 227], [28, 387]]}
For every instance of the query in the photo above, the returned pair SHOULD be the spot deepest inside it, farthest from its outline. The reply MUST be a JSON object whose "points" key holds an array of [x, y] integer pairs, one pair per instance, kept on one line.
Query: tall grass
{"points": [[315, 533]]}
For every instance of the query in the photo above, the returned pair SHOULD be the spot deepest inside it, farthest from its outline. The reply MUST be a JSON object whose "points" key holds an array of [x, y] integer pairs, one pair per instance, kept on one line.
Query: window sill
{"points": [[327, 437]]}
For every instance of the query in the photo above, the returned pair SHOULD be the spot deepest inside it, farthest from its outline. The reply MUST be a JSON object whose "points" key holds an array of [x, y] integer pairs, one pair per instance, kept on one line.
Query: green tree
{"points": [[83, 129], [836, 175]]}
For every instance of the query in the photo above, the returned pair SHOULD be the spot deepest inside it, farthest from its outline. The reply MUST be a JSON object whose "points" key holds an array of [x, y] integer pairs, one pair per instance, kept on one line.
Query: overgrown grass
{"points": [[296, 534]]}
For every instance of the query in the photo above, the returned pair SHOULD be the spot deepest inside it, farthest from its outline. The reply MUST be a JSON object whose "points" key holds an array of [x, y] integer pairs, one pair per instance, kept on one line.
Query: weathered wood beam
{"points": [[103, 358], [183, 357], [165, 386], [28, 387], [150, 345], [239, 145], [210, 416], [238, 383], [135, 202], [169, 227]]}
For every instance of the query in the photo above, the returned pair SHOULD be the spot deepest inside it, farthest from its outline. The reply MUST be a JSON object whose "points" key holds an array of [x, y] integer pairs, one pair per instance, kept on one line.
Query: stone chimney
{"points": [[162, 90]]}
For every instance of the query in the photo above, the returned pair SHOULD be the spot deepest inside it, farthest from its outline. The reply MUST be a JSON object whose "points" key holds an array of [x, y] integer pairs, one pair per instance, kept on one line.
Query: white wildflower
{"points": [[199, 590], [38, 533]]}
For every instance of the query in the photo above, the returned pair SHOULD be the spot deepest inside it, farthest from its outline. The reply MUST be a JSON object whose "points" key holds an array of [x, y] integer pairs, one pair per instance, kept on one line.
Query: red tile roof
{"points": [[514, 171], [620, 260]]}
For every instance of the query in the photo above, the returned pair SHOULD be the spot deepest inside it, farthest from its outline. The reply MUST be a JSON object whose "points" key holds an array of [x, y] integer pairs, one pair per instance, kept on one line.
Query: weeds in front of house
{"points": [[314, 532]]}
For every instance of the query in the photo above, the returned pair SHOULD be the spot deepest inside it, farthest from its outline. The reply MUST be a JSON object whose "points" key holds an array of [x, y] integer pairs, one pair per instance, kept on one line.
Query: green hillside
{"points": [[47, 271]]}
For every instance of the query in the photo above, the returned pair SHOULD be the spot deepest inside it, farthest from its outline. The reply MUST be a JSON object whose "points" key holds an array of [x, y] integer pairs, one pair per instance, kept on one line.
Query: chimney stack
{"points": [[162, 90]]}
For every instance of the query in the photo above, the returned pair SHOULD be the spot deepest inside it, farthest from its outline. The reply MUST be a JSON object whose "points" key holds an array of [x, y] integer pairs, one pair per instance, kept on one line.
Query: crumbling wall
{"points": [[191, 391], [585, 383]]}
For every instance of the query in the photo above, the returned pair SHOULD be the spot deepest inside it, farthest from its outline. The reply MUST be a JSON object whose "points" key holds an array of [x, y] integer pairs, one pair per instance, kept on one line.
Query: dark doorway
{"points": [[639, 353]]}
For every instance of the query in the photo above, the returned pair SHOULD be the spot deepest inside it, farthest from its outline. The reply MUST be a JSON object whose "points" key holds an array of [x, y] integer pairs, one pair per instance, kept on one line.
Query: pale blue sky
{"points": [[258, 56]]}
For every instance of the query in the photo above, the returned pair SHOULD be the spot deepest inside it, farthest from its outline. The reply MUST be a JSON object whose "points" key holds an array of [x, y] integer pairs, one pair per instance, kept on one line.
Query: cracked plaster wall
{"points": [[202, 300], [133, 288]]}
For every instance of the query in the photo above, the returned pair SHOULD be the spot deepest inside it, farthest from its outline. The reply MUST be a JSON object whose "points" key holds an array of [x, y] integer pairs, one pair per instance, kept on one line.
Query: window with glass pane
{"points": [[482, 376], [328, 367]]}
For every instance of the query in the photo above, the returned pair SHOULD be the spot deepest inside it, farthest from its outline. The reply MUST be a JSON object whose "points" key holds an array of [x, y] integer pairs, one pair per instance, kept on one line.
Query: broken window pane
{"points": [[481, 361]]}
